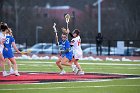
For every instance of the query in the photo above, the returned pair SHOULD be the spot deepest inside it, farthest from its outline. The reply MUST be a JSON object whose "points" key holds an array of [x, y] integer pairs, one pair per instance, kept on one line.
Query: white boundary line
{"points": [[89, 63], [71, 87]]}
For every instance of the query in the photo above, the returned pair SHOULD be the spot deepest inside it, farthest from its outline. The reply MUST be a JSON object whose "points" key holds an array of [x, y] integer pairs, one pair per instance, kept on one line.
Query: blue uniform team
{"points": [[8, 54], [7, 51], [65, 58], [65, 53], [6, 41]]}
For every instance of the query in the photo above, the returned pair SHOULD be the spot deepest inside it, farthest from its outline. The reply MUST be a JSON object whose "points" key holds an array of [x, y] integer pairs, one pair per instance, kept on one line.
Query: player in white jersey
{"points": [[77, 51], [3, 27]]}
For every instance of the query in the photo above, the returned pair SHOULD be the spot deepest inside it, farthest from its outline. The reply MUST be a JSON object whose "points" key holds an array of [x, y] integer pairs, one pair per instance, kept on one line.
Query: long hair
{"points": [[3, 26], [9, 31]]}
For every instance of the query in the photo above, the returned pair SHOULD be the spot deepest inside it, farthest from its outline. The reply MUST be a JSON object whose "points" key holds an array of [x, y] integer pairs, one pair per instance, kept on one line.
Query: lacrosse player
{"points": [[7, 52], [77, 51], [76, 48], [3, 27], [66, 53]]}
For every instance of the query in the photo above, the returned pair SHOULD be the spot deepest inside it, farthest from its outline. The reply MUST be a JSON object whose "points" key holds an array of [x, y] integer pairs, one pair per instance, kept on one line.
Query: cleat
{"points": [[16, 73], [80, 73], [5, 73], [62, 72]]}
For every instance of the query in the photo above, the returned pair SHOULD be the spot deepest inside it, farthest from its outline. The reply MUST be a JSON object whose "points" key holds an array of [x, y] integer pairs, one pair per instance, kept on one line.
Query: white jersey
{"points": [[77, 51], [2, 39]]}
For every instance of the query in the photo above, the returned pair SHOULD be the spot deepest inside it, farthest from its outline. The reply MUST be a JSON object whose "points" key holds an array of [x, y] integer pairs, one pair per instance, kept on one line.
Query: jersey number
{"points": [[79, 42], [7, 40]]}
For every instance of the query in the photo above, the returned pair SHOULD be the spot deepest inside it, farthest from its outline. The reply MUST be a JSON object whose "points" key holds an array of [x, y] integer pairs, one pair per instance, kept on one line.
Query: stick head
{"points": [[54, 27], [67, 17], [54, 24]]}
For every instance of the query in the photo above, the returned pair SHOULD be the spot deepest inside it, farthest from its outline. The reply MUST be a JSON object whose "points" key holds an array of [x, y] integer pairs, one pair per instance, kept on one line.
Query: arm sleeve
{"points": [[71, 35]]}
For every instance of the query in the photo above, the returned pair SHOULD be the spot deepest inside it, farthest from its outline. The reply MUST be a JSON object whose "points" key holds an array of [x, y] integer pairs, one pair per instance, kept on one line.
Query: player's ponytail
{"points": [[10, 32]]}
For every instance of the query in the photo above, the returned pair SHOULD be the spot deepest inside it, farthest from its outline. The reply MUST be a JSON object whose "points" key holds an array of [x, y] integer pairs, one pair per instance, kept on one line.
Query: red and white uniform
{"points": [[77, 51], [2, 40]]}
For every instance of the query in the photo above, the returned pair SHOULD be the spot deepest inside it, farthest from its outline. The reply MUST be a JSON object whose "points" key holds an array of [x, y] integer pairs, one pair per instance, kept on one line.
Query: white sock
{"points": [[11, 69]]}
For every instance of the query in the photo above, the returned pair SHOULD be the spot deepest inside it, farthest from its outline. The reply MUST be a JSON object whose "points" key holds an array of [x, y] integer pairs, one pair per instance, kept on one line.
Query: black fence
{"points": [[107, 47]]}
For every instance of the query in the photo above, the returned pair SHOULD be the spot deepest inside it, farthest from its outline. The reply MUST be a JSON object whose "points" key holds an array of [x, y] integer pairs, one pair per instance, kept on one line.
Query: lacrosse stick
{"points": [[23, 53], [67, 17], [54, 27]]}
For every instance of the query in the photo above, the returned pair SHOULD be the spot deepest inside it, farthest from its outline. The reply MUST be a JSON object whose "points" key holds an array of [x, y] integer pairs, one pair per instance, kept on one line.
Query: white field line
{"points": [[71, 87], [49, 65], [93, 80], [84, 68], [88, 63]]}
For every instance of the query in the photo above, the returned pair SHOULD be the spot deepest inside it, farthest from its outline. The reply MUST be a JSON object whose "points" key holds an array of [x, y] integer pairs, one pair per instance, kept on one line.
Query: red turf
{"points": [[51, 77]]}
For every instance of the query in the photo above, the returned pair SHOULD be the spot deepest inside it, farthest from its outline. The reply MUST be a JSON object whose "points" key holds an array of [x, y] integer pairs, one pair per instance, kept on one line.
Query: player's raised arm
{"points": [[56, 36]]}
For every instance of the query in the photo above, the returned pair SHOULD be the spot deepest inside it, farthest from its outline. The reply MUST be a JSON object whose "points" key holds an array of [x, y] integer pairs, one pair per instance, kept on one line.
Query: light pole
{"points": [[37, 29], [99, 16], [99, 13], [16, 16]]}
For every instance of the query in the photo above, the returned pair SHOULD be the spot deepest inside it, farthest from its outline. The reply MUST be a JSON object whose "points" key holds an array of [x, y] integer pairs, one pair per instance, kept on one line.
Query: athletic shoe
{"points": [[16, 73], [4, 73], [80, 73], [62, 72]]}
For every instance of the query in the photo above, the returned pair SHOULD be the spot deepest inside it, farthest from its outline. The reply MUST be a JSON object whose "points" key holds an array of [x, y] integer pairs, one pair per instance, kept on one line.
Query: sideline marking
{"points": [[92, 63], [71, 87]]}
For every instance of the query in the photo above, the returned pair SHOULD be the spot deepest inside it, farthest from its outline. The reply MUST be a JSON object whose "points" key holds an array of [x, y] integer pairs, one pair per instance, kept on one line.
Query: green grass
{"points": [[109, 86]]}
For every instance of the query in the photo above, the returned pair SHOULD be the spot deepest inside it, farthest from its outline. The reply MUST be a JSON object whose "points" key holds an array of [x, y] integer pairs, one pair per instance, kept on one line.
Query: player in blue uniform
{"points": [[65, 53], [7, 51]]}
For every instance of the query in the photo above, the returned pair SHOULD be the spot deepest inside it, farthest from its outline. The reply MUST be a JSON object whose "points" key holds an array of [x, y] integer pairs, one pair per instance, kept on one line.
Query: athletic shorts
{"points": [[69, 57], [8, 53], [77, 55]]}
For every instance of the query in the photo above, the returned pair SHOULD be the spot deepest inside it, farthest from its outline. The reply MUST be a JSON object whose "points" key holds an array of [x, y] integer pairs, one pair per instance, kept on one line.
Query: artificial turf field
{"points": [[96, 85]]}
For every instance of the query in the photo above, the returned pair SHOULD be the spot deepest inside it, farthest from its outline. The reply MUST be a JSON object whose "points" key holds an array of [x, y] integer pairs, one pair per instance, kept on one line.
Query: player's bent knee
{"points": [[63, 63], [57, 62]]}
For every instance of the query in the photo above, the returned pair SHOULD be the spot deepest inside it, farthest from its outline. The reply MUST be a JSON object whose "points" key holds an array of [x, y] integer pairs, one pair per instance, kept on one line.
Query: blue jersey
{"points": [[64, 46], [8, 43]]}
